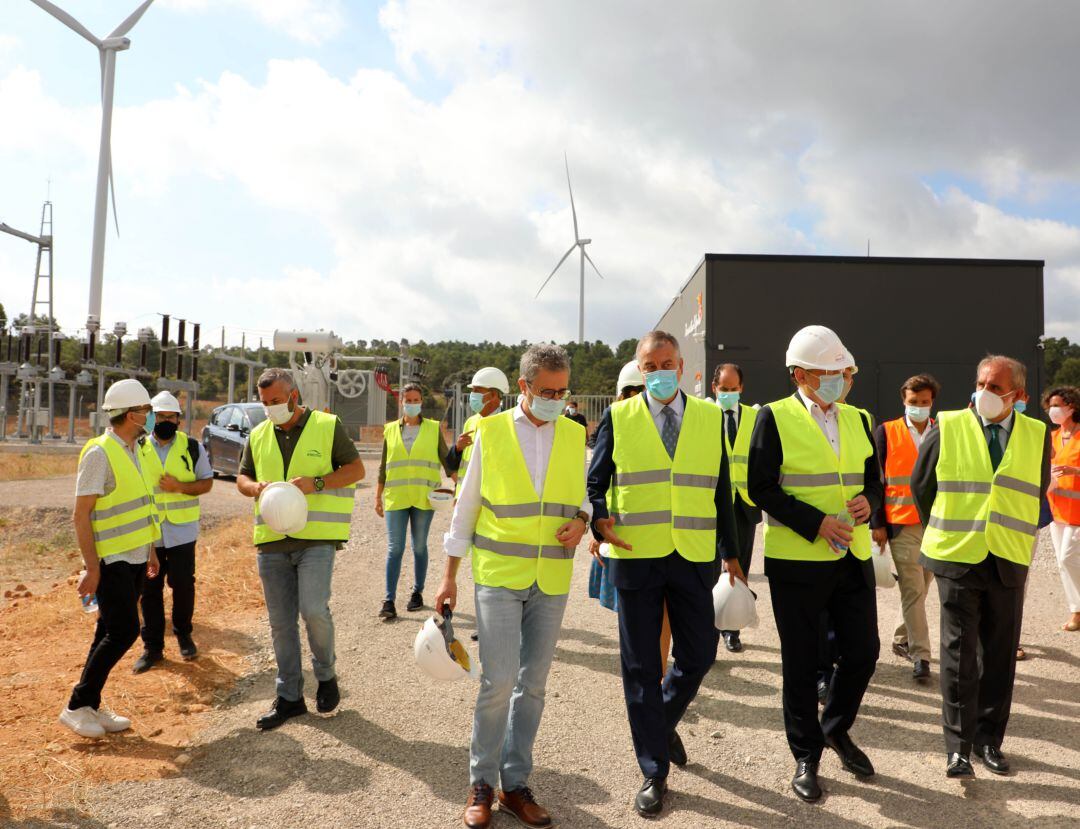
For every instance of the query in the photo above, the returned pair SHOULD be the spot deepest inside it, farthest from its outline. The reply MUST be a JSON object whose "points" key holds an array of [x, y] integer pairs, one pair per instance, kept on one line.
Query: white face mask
{"points": [[917, 414], [279, 413], [990, 405], [1059, 414]]}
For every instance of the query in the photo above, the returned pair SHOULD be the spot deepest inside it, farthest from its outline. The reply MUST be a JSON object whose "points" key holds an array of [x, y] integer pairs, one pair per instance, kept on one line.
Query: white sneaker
{"points": [[111, 722], [83, 721]]}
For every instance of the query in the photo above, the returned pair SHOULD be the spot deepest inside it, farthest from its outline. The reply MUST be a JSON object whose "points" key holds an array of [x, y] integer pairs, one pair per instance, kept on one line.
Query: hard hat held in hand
{"points": [[165, 401], [283, 507], [883, 575], [441, 499], [440, 655], [817, 347], [734, 604], [629, 375], [490, 377], [125, 394]]}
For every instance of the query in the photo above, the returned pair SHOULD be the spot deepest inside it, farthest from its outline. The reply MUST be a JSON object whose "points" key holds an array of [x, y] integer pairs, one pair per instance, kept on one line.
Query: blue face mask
{"points": [[412, 409], [548, 410], [662, 384], [1020, 406], [150, 420], [917, 414], [727, 400], [476, 401], [830, 388]]}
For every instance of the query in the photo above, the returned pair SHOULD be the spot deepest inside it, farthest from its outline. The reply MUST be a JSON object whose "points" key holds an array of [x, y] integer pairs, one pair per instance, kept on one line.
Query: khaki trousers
{"points": [[914, 581]]}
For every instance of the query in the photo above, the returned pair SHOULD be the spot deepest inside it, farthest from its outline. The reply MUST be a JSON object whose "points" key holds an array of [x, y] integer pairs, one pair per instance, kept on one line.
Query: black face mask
{"points": [[165, 430]]}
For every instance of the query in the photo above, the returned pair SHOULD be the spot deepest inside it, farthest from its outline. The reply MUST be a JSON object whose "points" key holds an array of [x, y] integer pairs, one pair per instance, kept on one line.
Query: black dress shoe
{"points": [[822, 691], [327, 697], [850, 755], [650, 800], [388, 610], [959, 766], [921, 669], [675, 749], [805, 783], [732, 641], [280, 711], [147, 661], [416, 601], [187, 646], [993, 759]]}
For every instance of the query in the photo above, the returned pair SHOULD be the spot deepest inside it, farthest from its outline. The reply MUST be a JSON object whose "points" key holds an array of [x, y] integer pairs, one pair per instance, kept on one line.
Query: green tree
{"points": [[1068, 373]]}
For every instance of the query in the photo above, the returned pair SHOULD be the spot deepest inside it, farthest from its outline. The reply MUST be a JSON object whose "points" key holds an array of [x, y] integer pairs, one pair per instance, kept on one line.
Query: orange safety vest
{"points": [[1064, 497], [899, 461]]}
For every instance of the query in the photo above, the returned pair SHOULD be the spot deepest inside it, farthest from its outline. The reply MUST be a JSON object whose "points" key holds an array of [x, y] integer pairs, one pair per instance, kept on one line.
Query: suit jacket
{"points": [[635, 573], [881, 444], [766, 457], [924, 488]]}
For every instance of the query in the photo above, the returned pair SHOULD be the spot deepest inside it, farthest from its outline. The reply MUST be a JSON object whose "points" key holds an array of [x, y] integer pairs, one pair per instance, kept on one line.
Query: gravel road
{"points": [[396, 755]]}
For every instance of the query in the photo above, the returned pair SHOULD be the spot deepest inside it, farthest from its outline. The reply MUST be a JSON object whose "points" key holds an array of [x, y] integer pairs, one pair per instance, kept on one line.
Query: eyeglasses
{"points": [[550, 394]]}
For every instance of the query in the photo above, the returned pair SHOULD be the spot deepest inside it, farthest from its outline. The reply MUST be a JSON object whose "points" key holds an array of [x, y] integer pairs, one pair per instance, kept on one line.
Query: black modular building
{"points": [[897, 316]]}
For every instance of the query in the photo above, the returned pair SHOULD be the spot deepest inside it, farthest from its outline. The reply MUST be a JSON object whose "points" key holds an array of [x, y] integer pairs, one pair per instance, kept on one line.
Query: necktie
{"points": [[732, 430], [996, 452], [670, 433]]}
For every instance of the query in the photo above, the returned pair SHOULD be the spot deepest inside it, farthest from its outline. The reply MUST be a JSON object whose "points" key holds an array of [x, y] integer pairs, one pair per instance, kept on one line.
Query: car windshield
{"points": [[256, 414]]}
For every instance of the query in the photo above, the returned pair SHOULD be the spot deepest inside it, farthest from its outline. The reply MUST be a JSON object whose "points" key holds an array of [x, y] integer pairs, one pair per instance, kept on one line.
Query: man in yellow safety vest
{"points": [[521, 513], [486, 391]]}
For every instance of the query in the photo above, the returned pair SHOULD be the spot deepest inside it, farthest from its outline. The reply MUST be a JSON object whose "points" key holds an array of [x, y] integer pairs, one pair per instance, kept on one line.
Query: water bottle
{"points": [[844, 517], [89, 603]]}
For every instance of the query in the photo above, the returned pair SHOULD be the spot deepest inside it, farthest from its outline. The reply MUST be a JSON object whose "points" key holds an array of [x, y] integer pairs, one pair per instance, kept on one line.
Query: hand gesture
{"points": [[836, 533], [305, 485], [169, 484], [570, 533], [464, 439], [859, 508], [606, 526]]}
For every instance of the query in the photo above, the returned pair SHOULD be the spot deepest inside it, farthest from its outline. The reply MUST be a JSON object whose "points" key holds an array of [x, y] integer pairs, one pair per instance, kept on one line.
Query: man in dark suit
{"points": [[814, 473], [979, 503], [660, 458]]}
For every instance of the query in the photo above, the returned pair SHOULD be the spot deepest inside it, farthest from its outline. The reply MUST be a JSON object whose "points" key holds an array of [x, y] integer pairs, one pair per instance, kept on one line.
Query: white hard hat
{"points": [[629, 375], [733, 605], [283, 507], [441, 499], [816, 346], [440, 655], [883, 576], [125, 394], [490, 377], [849, 362], [165, 401]]}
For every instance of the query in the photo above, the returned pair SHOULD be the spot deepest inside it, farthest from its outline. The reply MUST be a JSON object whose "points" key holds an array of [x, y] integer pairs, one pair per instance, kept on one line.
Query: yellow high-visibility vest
{"points": [[514, 543], [468, 428], [174, 507], [662, 504], [978, 510], [411, 474], [125, 519], [329, 511], [812, 473], [739, 453]]}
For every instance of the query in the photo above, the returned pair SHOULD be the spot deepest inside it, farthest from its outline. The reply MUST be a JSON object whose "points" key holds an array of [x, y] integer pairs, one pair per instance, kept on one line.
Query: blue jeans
{"points": [[298, 584], [396, 522], [518, 630]]}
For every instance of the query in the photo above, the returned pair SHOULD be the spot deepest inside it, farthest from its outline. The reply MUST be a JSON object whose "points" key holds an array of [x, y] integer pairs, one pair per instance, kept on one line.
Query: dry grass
{"points": [[24, 466], [45, 640]]}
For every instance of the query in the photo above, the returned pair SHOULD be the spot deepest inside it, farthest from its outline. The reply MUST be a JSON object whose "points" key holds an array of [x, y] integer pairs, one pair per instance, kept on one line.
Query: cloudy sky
{"points": [[395, 168]]}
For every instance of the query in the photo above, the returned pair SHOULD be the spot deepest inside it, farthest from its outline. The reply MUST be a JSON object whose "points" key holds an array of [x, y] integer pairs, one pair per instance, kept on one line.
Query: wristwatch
{"points": [[319, 484], [584, 516]]}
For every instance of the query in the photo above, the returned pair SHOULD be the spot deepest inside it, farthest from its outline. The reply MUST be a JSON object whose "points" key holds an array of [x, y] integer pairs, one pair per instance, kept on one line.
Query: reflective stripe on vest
{"points": [[806, 453], [125, 519], [514, 542], [411, 473], [470, 427], [900, 455], [739, 454], [174, 507], [978, 510], [329, 511], [660, 504], [1065, 496]]}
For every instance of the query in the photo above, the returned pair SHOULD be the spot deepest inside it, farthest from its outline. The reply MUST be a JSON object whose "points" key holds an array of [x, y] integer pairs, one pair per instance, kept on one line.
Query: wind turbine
{"points": [[107, 49], [580, 244]]}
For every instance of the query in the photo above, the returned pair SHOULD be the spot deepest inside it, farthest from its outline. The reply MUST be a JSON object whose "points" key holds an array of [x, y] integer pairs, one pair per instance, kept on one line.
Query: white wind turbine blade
{"points": [[592, 263], [573, 211], [112, 184], [546, 281], [131, 20], [67, 20]]}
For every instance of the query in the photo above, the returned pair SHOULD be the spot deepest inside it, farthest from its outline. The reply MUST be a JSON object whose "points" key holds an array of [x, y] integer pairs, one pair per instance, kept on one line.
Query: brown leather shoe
{"points": [[478, 807], [522, 805]]}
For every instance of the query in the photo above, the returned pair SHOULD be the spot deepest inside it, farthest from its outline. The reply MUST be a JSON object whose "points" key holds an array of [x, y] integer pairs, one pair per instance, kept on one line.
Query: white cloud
{"points": [[309, 21]]}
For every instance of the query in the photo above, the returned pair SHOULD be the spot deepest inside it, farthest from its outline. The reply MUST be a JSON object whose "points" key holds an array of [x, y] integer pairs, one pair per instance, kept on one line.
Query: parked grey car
{"points": [[226, 434]]}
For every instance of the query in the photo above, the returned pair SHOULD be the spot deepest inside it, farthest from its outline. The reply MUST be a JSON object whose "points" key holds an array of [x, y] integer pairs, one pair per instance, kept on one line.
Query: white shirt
{"points": [[656, 409], [828, 421], [535, 442], [916, 435]]}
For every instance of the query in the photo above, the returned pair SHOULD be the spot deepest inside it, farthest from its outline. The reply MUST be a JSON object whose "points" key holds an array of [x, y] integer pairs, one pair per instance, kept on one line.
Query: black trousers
{"points": [[980, 631], [654, 709], [178, 568], [117, 629], [798, 608]]}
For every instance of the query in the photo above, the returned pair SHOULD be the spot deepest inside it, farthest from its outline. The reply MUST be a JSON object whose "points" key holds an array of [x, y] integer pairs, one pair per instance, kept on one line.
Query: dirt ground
{"points": [[397, 753]]}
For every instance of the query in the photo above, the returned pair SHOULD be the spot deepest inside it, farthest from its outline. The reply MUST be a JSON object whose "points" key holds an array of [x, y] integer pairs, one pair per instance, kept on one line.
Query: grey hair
{"points": [[546, 356], [653, 339], [277, 375], [1017, 369]]}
